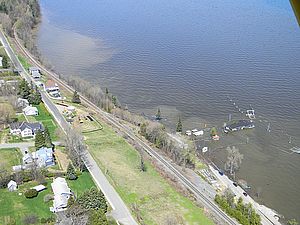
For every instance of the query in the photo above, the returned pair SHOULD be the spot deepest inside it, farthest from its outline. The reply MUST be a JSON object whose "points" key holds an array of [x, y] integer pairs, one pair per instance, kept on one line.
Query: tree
{"points": [[158, 114], [4, 61], [71, 173], [97, 217], [179, 125], [47, 138], [35, 97], [76, 98], [76, 148], [114, 100], [24, 89], [213, 131], [234, 159], [142, 165], [39, 140], [93, 199]]}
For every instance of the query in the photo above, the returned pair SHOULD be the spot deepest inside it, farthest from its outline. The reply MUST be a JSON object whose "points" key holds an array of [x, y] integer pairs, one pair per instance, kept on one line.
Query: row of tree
{"points": [[24, 15], [29, 92], [244, 213]]}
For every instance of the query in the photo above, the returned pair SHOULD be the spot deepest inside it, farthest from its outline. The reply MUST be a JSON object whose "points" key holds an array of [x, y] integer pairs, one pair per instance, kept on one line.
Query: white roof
{"points": [[12, 183], [198, 133], [30, 109], [60, 186], [39, 187], [194, 130]]}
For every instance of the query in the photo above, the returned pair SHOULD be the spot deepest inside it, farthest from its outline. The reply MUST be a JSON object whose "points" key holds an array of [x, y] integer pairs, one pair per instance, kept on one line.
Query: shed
{"points": [[12, 185], [199, 133], [39, 188]]}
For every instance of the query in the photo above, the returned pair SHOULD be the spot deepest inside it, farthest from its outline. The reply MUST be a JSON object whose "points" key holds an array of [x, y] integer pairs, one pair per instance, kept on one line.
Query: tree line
{"points": [[24, 15]]}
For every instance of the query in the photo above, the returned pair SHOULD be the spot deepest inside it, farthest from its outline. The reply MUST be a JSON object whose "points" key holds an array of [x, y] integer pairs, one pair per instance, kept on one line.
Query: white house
{"points": [[12, 185], [51, 86], [25, 129], [30, 111], [27, 158], [62, 193], [33, 69]]}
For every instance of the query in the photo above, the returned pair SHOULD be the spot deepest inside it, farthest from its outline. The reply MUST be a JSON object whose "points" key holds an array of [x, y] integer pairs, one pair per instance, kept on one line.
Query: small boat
{"points": [[250, 113]]}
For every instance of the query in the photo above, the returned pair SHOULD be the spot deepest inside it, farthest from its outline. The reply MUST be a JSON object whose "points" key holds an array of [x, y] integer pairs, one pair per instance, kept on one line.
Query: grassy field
{"points": [[24, 62], [17, 206], [83, 183], [46, 118], [10, 157], [157, 200]]}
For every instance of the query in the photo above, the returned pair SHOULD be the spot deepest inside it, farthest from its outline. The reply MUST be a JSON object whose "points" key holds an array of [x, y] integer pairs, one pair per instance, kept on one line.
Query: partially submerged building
{"points": [[239, 125]]}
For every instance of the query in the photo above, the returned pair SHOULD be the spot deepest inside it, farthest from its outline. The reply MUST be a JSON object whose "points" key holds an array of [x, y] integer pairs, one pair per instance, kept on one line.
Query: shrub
{"points": [[48, 198], [31, 193], [30, 219]]}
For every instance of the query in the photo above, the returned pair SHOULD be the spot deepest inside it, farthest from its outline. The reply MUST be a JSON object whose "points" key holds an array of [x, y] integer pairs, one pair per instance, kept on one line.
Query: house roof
{"points": [[35, 73], [23, 125], [240, 123], [30, 108], [60, 186], [22, 100], [33, 68], [45, 153], [50, 84]]}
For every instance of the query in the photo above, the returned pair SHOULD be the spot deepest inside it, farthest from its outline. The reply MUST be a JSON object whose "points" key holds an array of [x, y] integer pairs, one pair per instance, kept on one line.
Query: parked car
{"points": [[221, 173], [235, 184], [245, 194]]}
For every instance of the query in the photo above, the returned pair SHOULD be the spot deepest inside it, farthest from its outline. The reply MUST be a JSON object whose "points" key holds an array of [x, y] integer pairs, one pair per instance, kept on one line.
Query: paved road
{"points": [[267, 215], [120, 211], [199, 193]]}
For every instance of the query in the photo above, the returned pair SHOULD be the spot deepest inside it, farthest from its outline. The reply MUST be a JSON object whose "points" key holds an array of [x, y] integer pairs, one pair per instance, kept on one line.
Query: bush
{"points": [[31, 193], [30, 219], [48, 198]]}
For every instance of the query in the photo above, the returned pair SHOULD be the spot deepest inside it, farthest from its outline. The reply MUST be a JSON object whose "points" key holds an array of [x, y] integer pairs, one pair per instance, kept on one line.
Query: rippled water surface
{"points": [[187, 57]]}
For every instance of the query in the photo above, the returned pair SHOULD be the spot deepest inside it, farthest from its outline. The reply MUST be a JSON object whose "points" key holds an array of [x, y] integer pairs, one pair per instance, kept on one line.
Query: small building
{"points": [[12, 185], [27, 158], [25, 129], [188, 133], [51, 86], [44, 157], [34, 70], [239, 125], [22, 103], [199, 133], [36, 75], [1, 59], [62, 193], [39, 188], [30, 111], [17, 168]]}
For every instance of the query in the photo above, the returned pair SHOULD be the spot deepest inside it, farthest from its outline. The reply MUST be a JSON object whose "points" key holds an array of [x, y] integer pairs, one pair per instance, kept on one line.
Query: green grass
{"points": [[10, 157], [17, 206], [21, 117], [46, 118], [81, 184], [24, 62], [156, 198]]}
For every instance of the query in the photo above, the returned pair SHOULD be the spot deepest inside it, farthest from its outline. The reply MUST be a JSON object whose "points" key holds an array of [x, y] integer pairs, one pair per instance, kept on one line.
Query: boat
{"points": [[250, 113]]}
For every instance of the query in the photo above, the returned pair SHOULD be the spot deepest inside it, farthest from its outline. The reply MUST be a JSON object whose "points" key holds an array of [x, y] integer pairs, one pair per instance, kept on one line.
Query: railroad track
{"points": [[209, 203]]}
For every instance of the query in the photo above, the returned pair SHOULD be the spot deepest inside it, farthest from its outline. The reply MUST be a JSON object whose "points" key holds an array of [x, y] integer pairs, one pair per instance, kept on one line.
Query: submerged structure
{"points": [[239, 125]]}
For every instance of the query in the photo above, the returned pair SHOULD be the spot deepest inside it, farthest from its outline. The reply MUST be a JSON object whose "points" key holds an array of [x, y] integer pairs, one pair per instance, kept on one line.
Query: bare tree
{"points": [[234, 160], [76, 148]]}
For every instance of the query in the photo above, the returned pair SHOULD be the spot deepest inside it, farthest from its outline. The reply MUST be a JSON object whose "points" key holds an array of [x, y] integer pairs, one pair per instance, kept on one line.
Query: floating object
{"points": [[295, 150], [194, 130], [199, 133], [268, 128], [250, 113], [204, 149], [188, 133]]}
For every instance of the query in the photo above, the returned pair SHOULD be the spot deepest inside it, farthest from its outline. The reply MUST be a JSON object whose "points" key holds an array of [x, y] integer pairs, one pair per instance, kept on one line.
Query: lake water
{"points": [[187, 57]]}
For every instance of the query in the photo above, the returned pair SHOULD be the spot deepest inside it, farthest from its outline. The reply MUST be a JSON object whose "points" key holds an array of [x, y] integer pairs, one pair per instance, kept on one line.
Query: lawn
{"points": [[24, 62], [157, 200], [81, 184], [46, 118], [17, 206], [10, 157]]}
